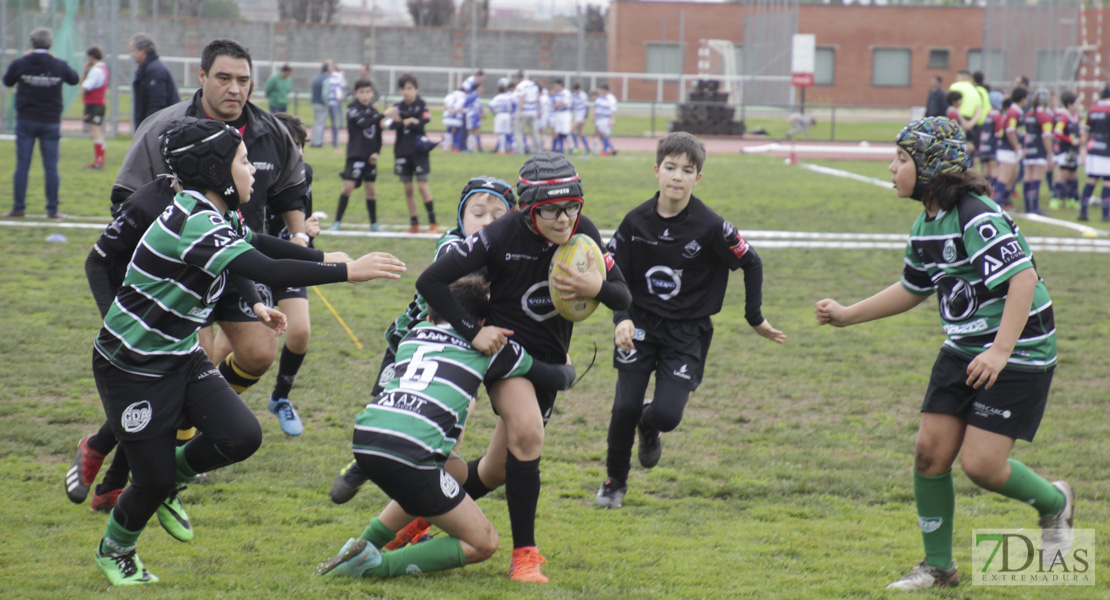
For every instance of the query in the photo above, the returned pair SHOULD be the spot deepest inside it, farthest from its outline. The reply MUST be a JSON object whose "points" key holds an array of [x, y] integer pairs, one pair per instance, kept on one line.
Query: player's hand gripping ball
{"points": [[575, 253]]}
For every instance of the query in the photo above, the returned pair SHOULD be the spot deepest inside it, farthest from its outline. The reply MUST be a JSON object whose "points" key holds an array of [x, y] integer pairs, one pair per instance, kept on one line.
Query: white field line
{"points": [[802, 149], [815, 240]]}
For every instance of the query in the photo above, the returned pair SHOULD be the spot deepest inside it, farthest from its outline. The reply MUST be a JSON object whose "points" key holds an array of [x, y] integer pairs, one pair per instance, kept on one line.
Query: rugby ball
{"points": [[574, 254]]}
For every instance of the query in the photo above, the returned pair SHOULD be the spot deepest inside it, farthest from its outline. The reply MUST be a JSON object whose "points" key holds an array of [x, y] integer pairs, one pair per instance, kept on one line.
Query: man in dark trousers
{"points": [[153, 87], [936, 105], [38, 107]]}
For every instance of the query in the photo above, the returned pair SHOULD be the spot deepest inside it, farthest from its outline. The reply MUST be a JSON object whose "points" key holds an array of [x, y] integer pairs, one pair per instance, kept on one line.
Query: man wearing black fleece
{"points": [[38, 107]]}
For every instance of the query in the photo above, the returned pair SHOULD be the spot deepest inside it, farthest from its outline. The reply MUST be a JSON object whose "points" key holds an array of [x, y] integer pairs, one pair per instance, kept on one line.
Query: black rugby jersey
{"points": [[364, 131], [1097, 127], [517, 260], [408, 134], [677, 267]]}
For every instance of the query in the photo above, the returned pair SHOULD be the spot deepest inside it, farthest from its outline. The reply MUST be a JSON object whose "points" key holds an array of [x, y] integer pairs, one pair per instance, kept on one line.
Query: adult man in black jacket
{"points": [[38, 106], [153, 87], [279, 188]]}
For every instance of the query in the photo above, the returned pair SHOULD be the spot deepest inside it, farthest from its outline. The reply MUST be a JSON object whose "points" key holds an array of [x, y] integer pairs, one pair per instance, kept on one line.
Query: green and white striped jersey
{"points": [[967, 256], [418, 308], [423, 410], [176, 275]]}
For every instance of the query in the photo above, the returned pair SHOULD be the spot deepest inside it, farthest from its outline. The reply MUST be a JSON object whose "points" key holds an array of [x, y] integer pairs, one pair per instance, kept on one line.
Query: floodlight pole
{"points": [[3, 62]]}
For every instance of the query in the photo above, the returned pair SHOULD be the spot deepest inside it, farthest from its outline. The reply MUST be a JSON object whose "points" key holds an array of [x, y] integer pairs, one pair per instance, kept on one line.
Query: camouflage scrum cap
{"points": [[937, 145]]}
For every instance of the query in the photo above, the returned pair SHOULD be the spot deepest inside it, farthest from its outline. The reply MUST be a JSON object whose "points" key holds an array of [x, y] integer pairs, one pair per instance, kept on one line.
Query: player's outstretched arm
{"points": [[891, 301], [376, 265], [766, 330]]}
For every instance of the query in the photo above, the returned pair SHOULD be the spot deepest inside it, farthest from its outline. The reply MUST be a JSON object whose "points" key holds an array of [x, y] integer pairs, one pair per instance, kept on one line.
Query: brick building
{"points": [[866, 55]]}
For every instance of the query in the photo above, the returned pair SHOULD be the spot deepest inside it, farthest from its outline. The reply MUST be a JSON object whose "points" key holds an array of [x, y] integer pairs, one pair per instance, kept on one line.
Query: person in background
{"points": [[277, 89], [320, 104], [38, 109], [935, 104], [153, 87], [94, 84]]}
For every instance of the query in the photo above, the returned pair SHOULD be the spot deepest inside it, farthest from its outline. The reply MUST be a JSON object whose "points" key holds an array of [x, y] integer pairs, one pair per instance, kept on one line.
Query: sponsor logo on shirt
{"points": [[626, 357], [263, 166], [663, 281], [987, 231], [666, 235], [964, 328], [510, 256], [982, 410], [681, 372], [537, 298], [692, 249], [449, 486], [136, 417]]}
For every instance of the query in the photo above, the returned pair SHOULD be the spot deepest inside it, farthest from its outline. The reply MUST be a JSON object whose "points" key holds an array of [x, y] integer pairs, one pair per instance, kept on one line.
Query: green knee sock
{"points": [[1026, 486], [119, 538], [377, 533], [185, 473], [936, 507], [439, 554]]}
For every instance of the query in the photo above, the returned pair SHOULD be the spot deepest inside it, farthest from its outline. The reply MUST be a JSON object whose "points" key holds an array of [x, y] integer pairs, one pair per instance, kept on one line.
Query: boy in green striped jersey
{"points": [[404, 436], [150, 372], [990, 383]]}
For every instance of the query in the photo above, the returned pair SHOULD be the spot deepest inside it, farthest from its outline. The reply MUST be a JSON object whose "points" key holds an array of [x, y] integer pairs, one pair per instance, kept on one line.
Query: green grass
{"points": [[790, 476]]}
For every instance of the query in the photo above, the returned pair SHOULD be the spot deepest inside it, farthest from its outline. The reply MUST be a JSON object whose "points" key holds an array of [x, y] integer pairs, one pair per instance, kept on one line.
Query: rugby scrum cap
{"points": [[486, 185], [547, 176], [200, 152], [937, 145]]}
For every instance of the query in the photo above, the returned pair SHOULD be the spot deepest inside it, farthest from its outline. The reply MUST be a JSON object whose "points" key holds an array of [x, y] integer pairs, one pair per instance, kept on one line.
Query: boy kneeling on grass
{"points": [[404, 437]]}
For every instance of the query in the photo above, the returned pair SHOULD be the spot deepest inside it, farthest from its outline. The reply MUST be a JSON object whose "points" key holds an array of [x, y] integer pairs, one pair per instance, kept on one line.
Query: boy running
{"points": [[990, 383], [149, 369], [517, 250], [677, 254], [405, 436], [364, 143]]}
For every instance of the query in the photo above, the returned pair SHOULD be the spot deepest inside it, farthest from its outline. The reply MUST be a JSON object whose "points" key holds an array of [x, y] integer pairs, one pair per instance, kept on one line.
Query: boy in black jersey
{"points": [[411, 150], [516, 250], [364, 142], [677, 253]]}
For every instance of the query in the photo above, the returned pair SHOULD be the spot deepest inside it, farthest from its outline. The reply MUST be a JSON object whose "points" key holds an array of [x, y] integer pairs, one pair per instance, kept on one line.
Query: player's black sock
{"points": [[414, 221], [343, 198], [288, 366], [474, 486], [522, 493], [236, 377], [372, 209], [431, 212], [104, 440]]}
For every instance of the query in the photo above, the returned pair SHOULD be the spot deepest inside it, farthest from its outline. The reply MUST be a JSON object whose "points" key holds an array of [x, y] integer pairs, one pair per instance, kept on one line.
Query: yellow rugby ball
{"points": [[574, 254]]}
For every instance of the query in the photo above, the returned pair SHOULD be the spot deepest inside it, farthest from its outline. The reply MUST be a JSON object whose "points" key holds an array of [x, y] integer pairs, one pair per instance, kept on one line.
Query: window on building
{"points": [[664, 59], [824, 66], [938, 58], [994, 65], [1050, 65], [890, 67]]}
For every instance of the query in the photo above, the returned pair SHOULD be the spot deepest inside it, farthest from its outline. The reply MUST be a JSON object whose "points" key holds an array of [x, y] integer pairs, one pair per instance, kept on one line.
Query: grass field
{"points": [[790, 476]]}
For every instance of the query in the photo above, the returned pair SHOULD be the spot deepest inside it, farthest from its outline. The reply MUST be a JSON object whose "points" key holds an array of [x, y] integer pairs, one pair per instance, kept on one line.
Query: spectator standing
{"points": [[320, 104], [277, 89], [38, 108], [337, 93], [153, 87], [935, 104], [94, 85]]}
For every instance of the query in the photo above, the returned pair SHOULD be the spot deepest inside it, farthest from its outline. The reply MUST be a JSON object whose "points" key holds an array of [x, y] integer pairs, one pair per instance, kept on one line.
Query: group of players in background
{"points": [[525, 112], [1030, 136]]}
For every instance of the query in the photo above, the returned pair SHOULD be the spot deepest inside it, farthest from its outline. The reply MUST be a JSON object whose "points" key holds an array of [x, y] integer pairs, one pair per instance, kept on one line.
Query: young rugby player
{"points": [[150, 371], [404, 438], [1008, 155], [483, 200], [517, 251], [990, 383], [676, 254], [988, 139], [411, 161], [364, 142], [1037, 148], [1066, 132], [1096, 137]]}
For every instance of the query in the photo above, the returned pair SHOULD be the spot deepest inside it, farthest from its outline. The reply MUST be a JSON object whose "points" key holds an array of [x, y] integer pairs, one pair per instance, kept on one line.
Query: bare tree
{"points": [[307, 11], [432, 13], [595, 18], [465, 12]]}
